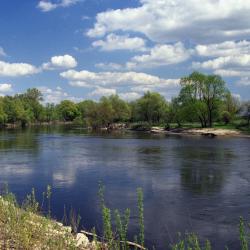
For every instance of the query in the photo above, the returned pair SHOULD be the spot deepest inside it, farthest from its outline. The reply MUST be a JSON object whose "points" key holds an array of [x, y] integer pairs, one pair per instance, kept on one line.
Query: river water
{"points": [[190, 184]]}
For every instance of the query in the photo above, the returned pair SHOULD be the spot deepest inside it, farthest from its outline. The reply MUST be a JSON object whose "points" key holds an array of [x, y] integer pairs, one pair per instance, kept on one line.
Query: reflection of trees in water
{"points": [[151, 155], [204, 170], [18, 139]]}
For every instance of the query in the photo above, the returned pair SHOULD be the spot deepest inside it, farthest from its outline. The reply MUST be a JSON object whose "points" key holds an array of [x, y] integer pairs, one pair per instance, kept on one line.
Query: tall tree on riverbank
{"points": [[152, 108], [3, 116], [203, 94], [67, 110]]}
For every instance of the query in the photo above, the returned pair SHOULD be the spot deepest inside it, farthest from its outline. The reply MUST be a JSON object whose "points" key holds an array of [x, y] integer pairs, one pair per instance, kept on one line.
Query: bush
{"points": [[142, 126]]}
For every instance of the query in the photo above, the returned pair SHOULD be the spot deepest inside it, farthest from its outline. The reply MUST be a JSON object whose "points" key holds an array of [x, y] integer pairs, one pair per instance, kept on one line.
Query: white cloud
{"points": [[231, 72], [80, 84], [47, 6], [5, 87], [227, 48], [106, 83], [17, 69], [161, 55], [60, 62], [129, 96], [175, 20], [56, 95], [115, 42], [221, 62], [229, 59], [117, 78], [99, 92], [109, 66], [2, 52]]}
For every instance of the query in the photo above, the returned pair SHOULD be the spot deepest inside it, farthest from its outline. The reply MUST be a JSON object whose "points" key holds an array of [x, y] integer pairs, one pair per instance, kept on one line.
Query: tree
{"points": [[68, 110], [31, 101], [84, 108], [3, 116], [105, 112], [50, 113], [205, 93], [121, 109], [152, 108], [231, 104]]}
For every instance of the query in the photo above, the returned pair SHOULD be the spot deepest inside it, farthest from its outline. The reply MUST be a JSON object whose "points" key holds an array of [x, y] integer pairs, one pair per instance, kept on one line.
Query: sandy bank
{"points": [[210, 132]]}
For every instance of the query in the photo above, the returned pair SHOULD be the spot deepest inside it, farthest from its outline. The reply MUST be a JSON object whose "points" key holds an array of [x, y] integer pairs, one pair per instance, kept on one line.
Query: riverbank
{"points": [[209, 132], [22, 228]]}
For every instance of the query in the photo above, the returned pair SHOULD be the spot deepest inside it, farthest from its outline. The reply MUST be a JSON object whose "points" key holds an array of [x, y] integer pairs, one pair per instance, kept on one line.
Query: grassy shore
{"points": [[26, 227]]}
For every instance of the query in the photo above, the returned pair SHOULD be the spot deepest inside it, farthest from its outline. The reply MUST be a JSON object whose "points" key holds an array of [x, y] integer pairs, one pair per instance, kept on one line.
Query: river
{"points": [[190, 184]]}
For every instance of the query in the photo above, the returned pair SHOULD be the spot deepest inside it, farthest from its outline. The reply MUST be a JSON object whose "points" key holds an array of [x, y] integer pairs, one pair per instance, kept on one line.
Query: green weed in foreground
{"points": [[23, 227]]}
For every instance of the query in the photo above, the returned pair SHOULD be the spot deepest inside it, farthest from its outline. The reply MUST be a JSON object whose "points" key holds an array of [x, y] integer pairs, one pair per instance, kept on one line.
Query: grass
{"points": [[26, 227], [22, 227]]}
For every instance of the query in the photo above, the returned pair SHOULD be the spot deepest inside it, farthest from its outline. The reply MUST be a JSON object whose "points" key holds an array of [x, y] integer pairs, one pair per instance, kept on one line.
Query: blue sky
{"points": [[81, 49]]}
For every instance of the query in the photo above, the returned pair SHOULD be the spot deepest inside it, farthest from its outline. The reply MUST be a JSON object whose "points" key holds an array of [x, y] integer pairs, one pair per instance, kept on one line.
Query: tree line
{"points": [[202, 99]]}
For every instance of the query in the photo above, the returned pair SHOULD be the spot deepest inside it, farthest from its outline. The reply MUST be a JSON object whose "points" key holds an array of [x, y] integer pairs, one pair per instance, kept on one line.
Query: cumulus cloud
{"points": [[55, 95], [231, 72], [106, 83], [130, 96], [227, 48], [99, 92], [161, 55], [60, 62], [116, 78], [109, 66], [115, 42], [47, 6], [228, 59], [222, 62], [175, 20], [5, 87], [17, 69]]}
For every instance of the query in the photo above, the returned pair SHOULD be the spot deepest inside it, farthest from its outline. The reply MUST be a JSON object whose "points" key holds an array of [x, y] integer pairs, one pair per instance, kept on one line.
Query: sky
{"points": [[85, 49]]}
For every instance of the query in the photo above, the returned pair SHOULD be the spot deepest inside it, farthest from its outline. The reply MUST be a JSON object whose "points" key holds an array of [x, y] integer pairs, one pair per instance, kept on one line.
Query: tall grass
{"points": [[24, 227]]}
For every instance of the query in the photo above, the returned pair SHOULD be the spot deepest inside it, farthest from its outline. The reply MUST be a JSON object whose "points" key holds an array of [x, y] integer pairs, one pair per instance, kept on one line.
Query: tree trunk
{"points": [[210, 120]]}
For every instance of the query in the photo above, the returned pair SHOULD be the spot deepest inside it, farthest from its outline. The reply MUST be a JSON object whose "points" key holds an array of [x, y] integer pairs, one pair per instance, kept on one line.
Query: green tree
{"points": [[105, 112], [231, 104], [152, 108], [3, 116], [121, 109], [205, 93], [68, 110], [84, 108], [50, 112]]}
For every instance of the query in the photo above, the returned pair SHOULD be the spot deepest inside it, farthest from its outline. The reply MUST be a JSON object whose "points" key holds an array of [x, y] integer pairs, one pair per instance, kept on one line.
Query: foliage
{"points": [[202, 99], [202, 95], [67, 110], [23, 227], [151, 108]]}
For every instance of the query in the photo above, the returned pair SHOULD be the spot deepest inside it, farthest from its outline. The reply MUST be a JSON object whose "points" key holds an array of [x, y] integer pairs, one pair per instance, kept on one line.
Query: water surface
{"points": [[190, 184]]}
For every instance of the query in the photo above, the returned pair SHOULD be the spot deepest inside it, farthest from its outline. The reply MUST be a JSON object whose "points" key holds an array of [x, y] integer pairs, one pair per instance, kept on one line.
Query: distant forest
{"points": [[203, 99]]}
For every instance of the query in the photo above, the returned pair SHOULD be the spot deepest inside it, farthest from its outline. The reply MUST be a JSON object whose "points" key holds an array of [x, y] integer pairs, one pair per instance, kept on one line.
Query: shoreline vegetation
{"points": [[28, 226], [203, 102]]}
